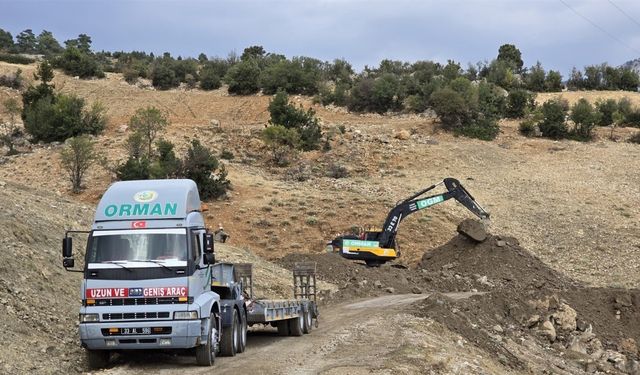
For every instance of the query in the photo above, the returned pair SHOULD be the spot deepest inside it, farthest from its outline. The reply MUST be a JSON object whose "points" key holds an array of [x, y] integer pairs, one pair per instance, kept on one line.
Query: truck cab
{"points": [[147, 273]]}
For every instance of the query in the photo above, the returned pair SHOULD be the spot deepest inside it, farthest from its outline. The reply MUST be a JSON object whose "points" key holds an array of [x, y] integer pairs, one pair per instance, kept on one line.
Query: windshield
{"points": [[143, 245]]}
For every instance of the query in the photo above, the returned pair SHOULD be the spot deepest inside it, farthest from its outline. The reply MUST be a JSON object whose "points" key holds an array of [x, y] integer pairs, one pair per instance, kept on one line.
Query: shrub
{"points": [[527, 127], [16, 59], [75, 62], [278, 135], [553, 81], [56, 118], [337, 171], [209, 79], [166, 165], [14, 81], [484, 128], [606, 109], [298, 172], [244, 78], [299, 75], [585, 118], [76, 158], [635, 138], [553, 115], [202, 167], [163, 77], [518, 102], [130, 75], [304, 122], [226, 155], [6, 40], [451, 108], [376, 95], [134, 169]]}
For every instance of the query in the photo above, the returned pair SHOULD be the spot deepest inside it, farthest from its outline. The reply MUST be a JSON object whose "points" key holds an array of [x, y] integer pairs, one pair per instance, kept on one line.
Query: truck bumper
{"points": [[184, 334]]}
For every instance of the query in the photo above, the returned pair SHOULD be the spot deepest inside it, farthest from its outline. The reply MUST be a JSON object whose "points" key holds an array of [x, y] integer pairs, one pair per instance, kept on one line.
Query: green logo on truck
{"points": [[429, 202]]}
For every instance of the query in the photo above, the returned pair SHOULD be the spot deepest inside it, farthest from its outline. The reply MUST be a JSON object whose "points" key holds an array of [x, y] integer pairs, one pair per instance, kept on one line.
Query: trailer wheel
{"points": [[243, 335], [296, 325], [308, 321], [98, 359], [283, 328], [206, 354], [230, 337]]}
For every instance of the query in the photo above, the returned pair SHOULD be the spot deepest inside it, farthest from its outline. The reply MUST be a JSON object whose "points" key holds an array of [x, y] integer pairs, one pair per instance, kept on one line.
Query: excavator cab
{"points": [[378, 246]]}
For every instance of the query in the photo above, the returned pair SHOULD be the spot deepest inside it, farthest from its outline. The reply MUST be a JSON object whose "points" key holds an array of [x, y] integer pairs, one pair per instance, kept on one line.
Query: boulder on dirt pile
{"points": [[473, 229], [565, 318]]}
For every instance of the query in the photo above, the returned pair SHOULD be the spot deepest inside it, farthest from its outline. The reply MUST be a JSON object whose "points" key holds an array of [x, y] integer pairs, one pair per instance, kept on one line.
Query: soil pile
{"points": [[528, 308]]}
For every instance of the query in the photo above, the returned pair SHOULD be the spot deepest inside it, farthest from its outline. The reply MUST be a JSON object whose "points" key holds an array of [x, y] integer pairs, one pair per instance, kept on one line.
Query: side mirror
{"points": [[209, 258], [68, 262], [67, 247], [208, 243]]}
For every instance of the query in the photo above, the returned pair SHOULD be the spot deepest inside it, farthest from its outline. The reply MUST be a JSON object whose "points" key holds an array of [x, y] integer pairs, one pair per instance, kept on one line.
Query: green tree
{"points": [[304, 122], [47, 44], [244, 78], [148, 122], [511, 54], [553, 81], [6, 41], [167, 164], [76, 158], [607, 109], [209, 79], [75, 62], [201, 166], [535, 80], [134, 169], [451, 108], [163, 76], [253, 52], [584, 118], [26, 42], [629, 80], [82, 43], [576, 80]]}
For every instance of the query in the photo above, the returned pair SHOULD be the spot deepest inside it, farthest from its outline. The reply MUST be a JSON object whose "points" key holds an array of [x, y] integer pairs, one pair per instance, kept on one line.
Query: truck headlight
{"points": [[185, 315], [87, 318]]}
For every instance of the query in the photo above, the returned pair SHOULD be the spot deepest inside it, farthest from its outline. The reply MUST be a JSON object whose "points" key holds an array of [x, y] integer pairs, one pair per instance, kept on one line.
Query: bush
{"points": [[527, 128], [553, 81], [209, 79], [299, 172], [300, 75], [13, 81], [163, 77], [451, 108], [484, 128], [635, 138], [244, 78], [16, 59], [518, 102], [377, 95], [130, 75], [134, 169], [337, 171], [74, 62], [553, 115], [606, 109], [56, 118], [584, 118], [76, 158], [304, 122], [202, 167], [166, 165], [278, 135], [226, 155]]}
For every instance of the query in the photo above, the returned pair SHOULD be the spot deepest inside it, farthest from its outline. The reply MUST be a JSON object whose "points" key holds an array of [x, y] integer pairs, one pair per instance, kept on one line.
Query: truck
{"points": [[151, 281]]}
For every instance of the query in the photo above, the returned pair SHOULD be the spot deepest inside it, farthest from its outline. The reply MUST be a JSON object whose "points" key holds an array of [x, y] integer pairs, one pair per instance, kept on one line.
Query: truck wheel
{"points": [[296, 326], [98, 359], [243, 336], [230, 337], [206, 354], [283, 328], [308, 321]]}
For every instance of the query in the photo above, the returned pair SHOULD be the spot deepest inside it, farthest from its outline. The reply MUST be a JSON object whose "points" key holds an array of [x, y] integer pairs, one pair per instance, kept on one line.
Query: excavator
{"points": [[377, 247]]}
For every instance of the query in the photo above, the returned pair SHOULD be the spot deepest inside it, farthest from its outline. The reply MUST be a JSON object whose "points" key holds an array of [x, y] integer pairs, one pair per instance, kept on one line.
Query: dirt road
{"points": [[367, 336]]}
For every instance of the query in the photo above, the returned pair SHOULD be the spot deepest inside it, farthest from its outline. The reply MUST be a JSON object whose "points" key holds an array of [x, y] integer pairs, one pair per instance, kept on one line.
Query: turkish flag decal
{"points": [[138, 224]]}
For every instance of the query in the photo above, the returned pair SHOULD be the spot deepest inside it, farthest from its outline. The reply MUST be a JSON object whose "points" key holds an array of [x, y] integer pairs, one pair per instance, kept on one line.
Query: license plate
{"points": [[135, 331]]}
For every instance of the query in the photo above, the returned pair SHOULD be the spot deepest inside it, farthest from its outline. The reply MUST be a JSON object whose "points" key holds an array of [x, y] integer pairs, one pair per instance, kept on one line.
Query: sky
{"points": [[559, 33]]}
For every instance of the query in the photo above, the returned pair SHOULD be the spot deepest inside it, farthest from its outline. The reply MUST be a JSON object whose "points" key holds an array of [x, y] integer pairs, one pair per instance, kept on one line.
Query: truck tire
{"points": [[296, 325], [308, 320], [283, 328], [98, 359], [230, 337], [243, 335], [206, 354]]}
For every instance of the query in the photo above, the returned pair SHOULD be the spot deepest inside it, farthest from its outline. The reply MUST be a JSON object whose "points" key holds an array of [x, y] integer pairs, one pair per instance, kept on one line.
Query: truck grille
{"points": [[138, 315], [138, 301]]}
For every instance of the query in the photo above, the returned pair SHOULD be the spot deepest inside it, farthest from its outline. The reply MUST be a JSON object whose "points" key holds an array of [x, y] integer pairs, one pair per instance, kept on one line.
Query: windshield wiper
{"points": [[159, 262], [118, 263]]}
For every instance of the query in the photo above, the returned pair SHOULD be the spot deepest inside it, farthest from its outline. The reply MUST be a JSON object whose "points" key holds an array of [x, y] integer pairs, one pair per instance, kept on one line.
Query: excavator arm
{"points": [[417, 202]]}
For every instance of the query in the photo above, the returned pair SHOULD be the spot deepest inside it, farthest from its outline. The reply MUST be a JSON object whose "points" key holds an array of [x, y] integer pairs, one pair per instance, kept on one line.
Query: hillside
{"points": [[573, 205]]}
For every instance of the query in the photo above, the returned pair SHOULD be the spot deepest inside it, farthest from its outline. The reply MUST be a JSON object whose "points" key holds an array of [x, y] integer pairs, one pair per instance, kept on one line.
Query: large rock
{"points": [[402, 135], [565, 318], [473, 229], [628, 346]]}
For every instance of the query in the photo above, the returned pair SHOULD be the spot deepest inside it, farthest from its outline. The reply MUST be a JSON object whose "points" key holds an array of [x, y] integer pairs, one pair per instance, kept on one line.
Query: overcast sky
{"points": [[363, 32]]}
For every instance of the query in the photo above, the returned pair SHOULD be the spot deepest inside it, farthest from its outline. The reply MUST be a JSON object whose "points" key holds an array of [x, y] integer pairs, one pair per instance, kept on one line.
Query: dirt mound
{"points": [[529, 308]]}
